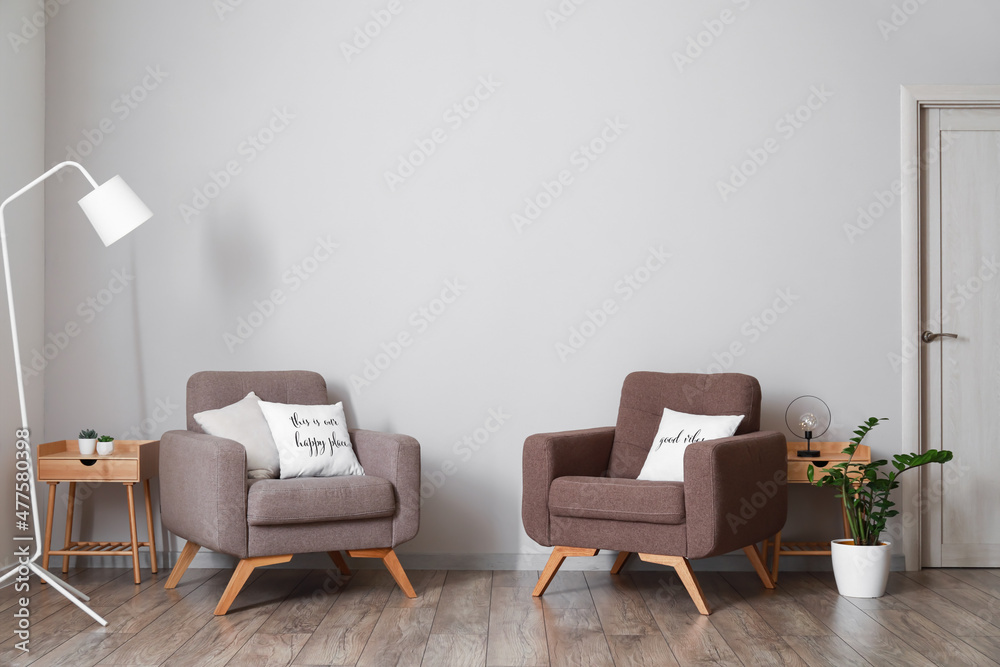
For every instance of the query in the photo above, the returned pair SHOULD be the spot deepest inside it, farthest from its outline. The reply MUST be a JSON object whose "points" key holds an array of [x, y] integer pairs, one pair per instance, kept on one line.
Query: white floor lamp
{"points": [[114, 211]]}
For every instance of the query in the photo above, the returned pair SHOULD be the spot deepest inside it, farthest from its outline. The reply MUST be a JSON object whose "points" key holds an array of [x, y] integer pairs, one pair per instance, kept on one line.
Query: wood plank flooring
{"points": [[490, 619]]}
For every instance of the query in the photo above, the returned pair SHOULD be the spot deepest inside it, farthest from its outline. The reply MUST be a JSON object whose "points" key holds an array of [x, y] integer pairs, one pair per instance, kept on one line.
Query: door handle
{"points": [[929, 337]]}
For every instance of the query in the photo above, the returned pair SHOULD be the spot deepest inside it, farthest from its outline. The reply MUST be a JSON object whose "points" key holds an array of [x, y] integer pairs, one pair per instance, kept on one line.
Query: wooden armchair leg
{"points": [[388, 556], [243, 570], [758, 565], [559, 554], [620, 561], [181, 566], [338, 560], [686, 574]]}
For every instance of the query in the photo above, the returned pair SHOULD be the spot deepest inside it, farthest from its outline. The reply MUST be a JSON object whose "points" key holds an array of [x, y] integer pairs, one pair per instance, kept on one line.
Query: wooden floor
{"points": [[465, 618]]}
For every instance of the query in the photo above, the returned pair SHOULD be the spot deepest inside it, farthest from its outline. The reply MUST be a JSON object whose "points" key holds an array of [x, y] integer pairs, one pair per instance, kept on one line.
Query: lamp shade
{"points": [[114, 210]]}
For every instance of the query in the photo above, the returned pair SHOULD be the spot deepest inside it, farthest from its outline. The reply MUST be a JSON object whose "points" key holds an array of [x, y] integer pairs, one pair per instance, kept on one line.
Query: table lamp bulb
{"points": [[808, 421]]}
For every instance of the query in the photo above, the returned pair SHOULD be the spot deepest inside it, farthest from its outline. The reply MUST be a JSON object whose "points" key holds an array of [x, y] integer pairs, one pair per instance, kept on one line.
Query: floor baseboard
{"points": [[734, 562]]}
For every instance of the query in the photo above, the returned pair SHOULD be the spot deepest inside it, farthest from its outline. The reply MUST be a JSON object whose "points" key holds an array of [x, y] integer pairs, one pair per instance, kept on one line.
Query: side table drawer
{"points": [[798, 471], [105, 470]]}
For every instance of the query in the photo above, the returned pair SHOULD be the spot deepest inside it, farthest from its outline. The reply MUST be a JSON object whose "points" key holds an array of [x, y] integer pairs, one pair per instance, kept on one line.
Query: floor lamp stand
{"points": [[114, 210], [72, 594]]}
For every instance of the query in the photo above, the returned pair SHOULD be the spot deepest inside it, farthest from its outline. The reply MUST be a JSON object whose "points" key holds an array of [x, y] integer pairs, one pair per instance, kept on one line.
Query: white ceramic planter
{"points": [[105, 448], [87, 446], [861, 572]]}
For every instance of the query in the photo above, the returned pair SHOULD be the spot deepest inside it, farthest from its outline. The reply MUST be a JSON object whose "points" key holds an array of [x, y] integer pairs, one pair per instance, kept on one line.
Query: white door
{"points": [[960, 278]]}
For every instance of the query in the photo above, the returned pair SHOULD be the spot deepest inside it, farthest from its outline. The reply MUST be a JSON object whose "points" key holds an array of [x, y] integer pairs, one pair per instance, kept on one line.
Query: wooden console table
{"points": [[798, 466], [132, 461]]}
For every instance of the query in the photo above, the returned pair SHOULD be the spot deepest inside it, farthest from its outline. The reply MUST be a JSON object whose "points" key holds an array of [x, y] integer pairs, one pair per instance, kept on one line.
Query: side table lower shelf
{"points": [[74, 548]]}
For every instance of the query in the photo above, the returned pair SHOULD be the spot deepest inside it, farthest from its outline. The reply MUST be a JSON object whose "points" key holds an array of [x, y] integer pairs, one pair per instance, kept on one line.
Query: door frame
{"points": [[914, 99]]}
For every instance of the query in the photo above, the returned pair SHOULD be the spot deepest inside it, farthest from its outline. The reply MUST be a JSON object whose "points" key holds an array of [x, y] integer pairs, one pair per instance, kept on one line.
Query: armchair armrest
{"points": [[203, 490], [735, 491], [395, 458], [547, 456]]}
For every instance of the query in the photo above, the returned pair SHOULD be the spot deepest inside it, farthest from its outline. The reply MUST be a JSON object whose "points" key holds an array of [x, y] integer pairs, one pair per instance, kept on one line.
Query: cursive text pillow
{"points": [[665, 462], [312, 440]]}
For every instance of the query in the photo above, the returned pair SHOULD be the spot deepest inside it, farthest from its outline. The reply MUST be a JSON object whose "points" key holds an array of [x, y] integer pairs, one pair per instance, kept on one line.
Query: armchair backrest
{"points": [[645, 394], [211, 390]]}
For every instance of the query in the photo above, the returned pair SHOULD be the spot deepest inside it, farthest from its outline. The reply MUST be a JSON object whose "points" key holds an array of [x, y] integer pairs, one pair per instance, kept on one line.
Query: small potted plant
{"points": [[105, 445], [861, 562], [87, 441]]}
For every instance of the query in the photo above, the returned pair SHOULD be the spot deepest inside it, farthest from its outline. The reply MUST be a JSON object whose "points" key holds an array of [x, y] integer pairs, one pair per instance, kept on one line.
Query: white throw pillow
{"points": [[312, 440], [665, 462], [244, 422]]}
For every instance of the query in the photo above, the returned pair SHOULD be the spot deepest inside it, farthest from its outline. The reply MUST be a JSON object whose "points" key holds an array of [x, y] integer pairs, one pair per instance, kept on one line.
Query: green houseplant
{"points": [[861, 562], [87, 441], [105, 445]]}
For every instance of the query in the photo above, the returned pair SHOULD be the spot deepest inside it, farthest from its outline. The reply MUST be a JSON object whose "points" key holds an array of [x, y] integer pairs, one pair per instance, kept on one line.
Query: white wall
{"points": [[22, 128], [198, 83]]}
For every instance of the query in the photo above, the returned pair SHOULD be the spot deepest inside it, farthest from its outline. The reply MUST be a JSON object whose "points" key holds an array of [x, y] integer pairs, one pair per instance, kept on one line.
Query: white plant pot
{"points": [[87, 446], [105, 448], [861, 571]]}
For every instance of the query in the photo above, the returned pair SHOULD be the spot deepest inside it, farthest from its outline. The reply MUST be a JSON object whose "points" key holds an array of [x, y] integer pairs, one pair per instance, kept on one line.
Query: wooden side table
{"points": [[798, 466], [133, 461]]}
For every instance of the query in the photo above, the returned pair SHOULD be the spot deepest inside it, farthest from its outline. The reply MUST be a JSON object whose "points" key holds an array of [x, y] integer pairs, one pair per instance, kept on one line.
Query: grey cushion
{"points": [[618, 499], [211, 390], [313, 499]]}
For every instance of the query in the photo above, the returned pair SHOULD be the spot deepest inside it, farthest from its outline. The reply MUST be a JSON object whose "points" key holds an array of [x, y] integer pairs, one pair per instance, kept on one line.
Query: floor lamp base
{"points": [[70, 593]]}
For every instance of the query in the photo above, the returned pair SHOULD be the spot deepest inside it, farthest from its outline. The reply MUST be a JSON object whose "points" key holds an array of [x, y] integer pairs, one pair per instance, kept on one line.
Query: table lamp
{"points": [[808, 417], [114, 211]]}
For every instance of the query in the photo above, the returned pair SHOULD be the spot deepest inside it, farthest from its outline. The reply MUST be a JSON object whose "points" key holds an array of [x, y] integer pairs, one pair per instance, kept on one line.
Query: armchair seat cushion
{"points": [[318, 499], [618, 499]]}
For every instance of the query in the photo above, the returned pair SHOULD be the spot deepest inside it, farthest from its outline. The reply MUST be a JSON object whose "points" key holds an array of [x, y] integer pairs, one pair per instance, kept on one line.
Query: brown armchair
{"points": [[206, 498], [581, 493]]}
